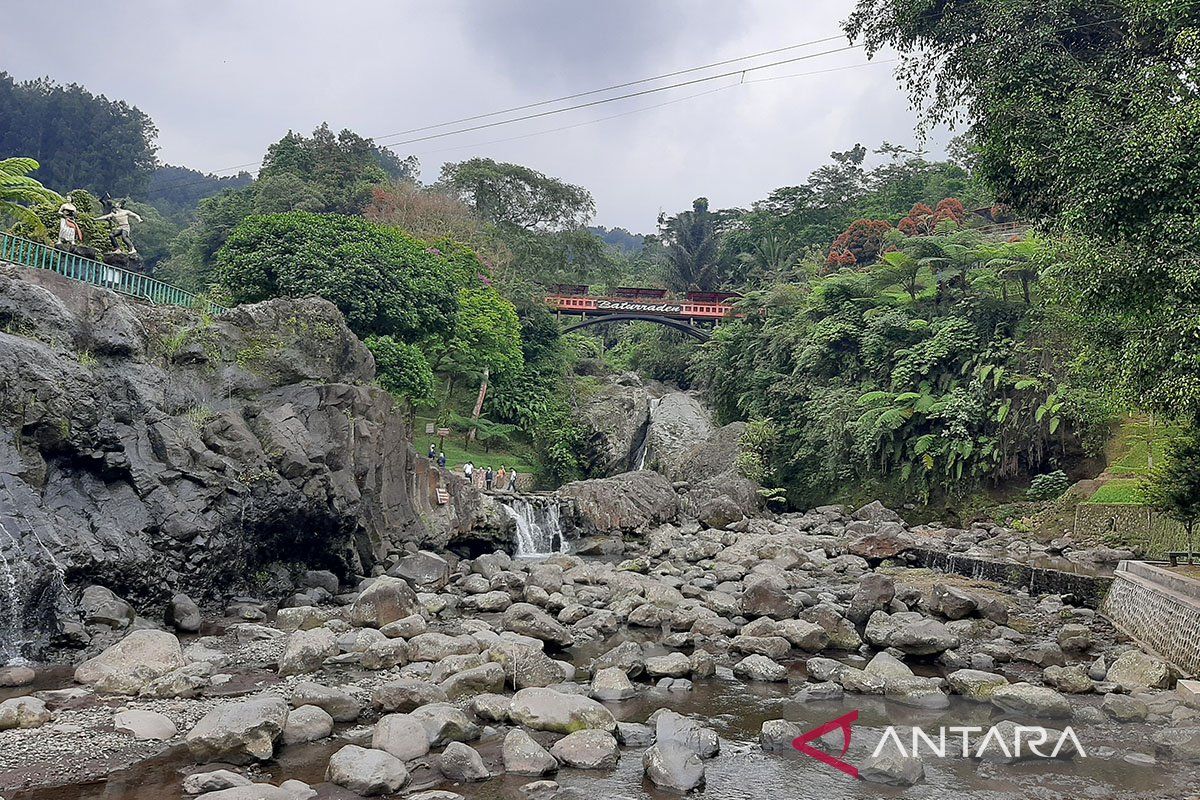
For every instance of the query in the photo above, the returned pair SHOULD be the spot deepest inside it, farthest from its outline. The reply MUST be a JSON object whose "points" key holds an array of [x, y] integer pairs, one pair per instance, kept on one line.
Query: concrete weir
{"points": [[1089, 589], [1158, 608]]}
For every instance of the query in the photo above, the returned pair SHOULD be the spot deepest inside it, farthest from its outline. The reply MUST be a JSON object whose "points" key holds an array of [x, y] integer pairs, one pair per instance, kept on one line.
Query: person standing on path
{"points": [[501, 479], [488, 478], [469, 473], [442, 460], [512, 481], [432, 453]]}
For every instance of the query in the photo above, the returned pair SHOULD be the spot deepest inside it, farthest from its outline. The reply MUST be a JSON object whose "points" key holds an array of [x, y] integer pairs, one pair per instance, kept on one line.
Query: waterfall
{"points": [[644, 449], [539, 528], [32, 582]]}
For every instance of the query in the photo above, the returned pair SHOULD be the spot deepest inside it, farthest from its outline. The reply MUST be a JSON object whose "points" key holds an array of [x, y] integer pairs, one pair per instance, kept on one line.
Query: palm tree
{"points": [[691, 246], [18, 191], [771, 257]]}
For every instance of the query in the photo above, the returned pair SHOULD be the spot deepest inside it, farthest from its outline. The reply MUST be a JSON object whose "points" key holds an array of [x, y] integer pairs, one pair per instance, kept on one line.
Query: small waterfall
{"points": [[644, 449], [32, 582], [539, 527]]}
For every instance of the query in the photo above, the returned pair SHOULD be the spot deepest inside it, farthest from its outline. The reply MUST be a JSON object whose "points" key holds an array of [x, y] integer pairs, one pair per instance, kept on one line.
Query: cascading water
{"points": [[539, 527], [644, 450], [31, 580]]}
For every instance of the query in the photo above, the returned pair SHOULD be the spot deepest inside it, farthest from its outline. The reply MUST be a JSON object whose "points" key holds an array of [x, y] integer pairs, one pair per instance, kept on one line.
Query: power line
{"points": [[564, 98], [641, 93], [650, 108], [614, 87]]}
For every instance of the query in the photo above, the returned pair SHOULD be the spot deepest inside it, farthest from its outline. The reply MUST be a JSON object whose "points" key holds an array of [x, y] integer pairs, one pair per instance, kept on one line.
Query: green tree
{"points": [[78, 138], [401, 368], [1084, 113], [1174, 487], [385, 282], [691, 248], [511, 194], [18, 192], [898, 268]]}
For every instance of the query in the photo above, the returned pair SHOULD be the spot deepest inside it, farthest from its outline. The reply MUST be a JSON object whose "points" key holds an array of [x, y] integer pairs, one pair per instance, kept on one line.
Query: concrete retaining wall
{"points": [[1088, 589], [1158, 608]]}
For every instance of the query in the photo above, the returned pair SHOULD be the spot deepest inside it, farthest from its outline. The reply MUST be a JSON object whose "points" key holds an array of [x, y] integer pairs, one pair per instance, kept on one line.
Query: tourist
{"points": [[488, 478], [432, 453], [69, 232], [512, 481], [442, 460], [501, 478], [469, 473]]}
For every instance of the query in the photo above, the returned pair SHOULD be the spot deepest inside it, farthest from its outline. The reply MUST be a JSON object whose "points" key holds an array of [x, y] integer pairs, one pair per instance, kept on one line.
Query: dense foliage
{"points": [[1174, 487], [1084, 113], [19, 192], [925, 392], [78, 139]]}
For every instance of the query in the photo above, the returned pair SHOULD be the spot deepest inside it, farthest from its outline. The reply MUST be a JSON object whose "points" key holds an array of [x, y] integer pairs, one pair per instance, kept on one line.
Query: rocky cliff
{"points": [[155, 450]]}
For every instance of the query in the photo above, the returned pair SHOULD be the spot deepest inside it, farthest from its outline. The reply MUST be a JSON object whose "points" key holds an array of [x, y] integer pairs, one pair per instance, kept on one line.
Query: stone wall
{"points": [[1089, 589], [1158, 608], [1130, 526]]}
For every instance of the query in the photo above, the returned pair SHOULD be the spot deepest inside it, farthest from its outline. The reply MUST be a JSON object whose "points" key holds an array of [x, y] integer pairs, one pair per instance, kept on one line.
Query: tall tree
{"points": [[511, 194], [1174, 487], [79, 139], [691, 244], [1084, 113]]}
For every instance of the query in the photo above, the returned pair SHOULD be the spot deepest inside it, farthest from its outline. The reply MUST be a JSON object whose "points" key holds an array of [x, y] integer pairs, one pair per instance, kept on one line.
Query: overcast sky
{"points": [[222, 79]]}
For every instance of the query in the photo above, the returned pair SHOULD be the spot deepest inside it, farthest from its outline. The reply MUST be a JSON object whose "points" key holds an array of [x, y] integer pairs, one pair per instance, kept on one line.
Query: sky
{"points": [[223, 79]]}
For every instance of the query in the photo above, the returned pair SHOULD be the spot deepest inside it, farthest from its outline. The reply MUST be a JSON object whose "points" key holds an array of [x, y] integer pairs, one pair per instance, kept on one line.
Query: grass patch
{"points": [[1139, 444], [1121, 491], [458, 451]]}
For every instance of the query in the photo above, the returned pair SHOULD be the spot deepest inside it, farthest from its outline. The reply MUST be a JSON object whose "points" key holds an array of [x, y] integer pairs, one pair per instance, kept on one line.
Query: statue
{"points": [[121, 217], [69, 232]]}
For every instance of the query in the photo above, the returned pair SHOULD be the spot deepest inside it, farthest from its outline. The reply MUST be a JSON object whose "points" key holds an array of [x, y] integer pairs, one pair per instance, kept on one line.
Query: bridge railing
{"points": [[35, 255]]}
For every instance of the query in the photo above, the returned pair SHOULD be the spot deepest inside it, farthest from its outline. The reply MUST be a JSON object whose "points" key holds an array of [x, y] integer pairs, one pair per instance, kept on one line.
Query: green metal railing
{"points": [[28, 253]]}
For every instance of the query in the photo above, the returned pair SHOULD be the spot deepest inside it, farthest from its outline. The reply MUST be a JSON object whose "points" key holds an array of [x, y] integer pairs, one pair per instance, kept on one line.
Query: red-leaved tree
{"points": [[859, 245]]}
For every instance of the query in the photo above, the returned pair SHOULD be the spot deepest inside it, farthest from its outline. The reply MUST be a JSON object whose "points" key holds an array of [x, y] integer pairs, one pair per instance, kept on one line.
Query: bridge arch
{"points": [[670, 322]]}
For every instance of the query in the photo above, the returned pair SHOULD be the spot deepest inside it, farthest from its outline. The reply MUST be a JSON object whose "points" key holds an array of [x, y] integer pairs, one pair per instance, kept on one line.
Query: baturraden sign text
{"points": [[642, 308]]}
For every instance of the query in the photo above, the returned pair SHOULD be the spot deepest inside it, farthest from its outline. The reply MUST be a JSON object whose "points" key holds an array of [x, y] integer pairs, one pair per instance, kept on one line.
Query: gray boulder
{"points": [[587, 749], [891, 769], [672, 766], [307, 724], [131, 663], [240, 732], [462, 764], [367, 773], [524, 756], [547, 710], [306, 651], [401, 735], [1033, 701], [1134, 669], [386, 600], [631, 501]]}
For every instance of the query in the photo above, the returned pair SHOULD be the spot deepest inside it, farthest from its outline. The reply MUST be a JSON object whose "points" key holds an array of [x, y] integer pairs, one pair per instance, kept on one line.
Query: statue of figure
{"points": [[69, 232], [121, 217]]}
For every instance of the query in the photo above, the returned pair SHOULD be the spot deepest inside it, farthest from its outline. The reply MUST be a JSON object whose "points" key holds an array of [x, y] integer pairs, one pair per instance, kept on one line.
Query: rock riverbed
{"points": [[688, 662]]}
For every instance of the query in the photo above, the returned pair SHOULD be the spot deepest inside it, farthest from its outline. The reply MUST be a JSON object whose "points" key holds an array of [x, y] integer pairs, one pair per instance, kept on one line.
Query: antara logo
{"points": [[1014, 741]]}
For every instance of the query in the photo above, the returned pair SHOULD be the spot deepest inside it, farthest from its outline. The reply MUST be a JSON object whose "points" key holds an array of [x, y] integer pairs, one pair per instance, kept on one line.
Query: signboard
{"points": [[638, 307], [430, 428], [443, 432]]}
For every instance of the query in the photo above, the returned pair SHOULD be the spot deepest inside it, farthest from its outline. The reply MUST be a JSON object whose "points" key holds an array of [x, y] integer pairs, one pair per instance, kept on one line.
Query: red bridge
{"points": [[686, 313]]}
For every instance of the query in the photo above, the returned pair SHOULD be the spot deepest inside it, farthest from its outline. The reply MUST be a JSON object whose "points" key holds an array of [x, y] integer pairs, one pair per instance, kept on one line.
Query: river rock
{"points": [[627, 656], [1033, 701], [213, 781], [1134, 669], [760, 668], [338, 703], [891, 769], [767, 595], [23, 712], [128, 665], [100, 606], [526, 666], [612, 684], [524, 756], [672, 665], [445, 723], [386, 600], [145, 725], [306, 651], [307, 724], [253, 791], [529, 620], [547, 710], [975, 684], [674, 767], [1123, 708], [405, 695], [16, 675], [462, 764], [615, 416], [1182, 744], [424, 571], [631, 501], [239, 732], [367, 773], [587, 749], [875, 591], [402, 735], [672, 727], [182, 614], [951, 603]]}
